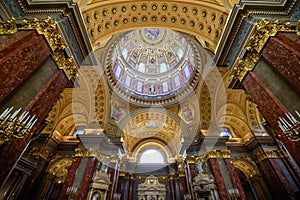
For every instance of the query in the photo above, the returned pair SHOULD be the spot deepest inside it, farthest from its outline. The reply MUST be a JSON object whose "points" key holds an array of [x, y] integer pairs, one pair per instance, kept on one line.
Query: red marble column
{"points": [[234, 177], [283, 52], [283, 179], [85, 183], [131, 187], [20, 54], [191, 169], [70, 178], [182, 186], [120, 186], [272, 180], [271, 109], [172, 189], [113, 175], [214, 168], [40, 106]]}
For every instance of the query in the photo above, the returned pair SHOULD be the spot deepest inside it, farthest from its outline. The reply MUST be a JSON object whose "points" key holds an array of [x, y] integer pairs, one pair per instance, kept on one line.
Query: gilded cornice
{"points": [[262, 31], [47, 28], [237, 28], [84, 153], [218, 154], [270, 154]]}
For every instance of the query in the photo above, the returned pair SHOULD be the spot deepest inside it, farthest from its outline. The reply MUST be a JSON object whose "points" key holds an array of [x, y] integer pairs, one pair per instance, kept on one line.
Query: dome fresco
{"points": [[152, 64]]}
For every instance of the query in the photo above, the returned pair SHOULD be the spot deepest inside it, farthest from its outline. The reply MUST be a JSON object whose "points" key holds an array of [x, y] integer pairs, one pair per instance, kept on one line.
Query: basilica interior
{"points": [[149, 100]]}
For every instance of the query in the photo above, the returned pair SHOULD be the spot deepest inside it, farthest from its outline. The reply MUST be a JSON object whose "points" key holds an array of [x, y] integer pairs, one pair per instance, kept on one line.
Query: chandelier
{"points": [[290, 126], [15, 125]]}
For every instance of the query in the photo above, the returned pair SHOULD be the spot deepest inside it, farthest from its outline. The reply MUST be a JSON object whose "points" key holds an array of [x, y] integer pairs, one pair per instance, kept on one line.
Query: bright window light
{"points": [[152, 156]]}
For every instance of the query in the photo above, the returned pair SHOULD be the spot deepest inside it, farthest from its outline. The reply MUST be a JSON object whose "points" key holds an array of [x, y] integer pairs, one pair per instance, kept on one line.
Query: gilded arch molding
{"points": [[152, 124], [205, 20]]}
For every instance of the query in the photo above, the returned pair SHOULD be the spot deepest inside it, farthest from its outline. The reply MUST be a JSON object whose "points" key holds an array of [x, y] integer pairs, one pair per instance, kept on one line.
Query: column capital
{"points": [[84, 153], [191, 159], [270, 154], [218, 154]]}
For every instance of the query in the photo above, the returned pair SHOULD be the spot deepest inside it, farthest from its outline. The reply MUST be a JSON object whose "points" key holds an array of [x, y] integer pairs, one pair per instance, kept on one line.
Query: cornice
{"points": [[239, 23], [68, 16]]}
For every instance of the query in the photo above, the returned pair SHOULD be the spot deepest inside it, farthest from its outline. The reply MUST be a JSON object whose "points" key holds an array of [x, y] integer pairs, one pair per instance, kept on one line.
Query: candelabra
{"points": [[290, 126], [14, 125], [234, 193], [71, 191]]}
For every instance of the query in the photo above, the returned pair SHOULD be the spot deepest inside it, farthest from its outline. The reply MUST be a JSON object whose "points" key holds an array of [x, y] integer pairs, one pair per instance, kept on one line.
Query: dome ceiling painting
{"points": [[153, 66]]}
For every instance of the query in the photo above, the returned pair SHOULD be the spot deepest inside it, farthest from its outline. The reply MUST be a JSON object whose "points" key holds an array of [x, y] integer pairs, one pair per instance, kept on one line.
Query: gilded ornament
{"points": [[262, 31], [8, 27], [48, 28], [270, 154], [218, 154], [40, 153], [84, 153]]}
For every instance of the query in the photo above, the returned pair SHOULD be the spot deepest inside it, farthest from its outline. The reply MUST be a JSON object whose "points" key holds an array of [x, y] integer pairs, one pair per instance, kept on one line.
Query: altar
{"points": [[151, 189]]}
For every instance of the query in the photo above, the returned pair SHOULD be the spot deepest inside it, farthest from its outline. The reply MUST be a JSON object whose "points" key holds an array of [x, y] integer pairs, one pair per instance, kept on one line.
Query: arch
{"points": [[201, 19], [232, 117], [149, 124], [248, 168], [60, 168]]}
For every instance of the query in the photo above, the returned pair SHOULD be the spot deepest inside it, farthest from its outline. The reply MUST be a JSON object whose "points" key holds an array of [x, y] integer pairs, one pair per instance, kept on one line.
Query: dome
{"points": [[151, 65]]}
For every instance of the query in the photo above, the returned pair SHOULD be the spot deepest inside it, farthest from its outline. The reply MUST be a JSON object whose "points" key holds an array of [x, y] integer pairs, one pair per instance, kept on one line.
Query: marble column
{"points": [[121, 184], [113, 169], [131, 187], [172, 189], [234, 178], [214, 168], [20, 54], [70, 178], [87, 176], [283, 52], [40, 106], [182, 185], [271, 108], [191, 173], [286, 179]]}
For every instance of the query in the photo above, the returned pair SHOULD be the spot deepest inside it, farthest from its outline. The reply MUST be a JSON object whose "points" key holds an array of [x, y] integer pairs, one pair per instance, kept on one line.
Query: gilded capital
{"points": [[218, 154], [270, 154], [190, 159], [84, 153], [262, 31]]}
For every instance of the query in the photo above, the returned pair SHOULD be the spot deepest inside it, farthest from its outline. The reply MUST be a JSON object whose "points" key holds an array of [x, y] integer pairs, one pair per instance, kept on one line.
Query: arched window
{"points": [[225, 132], [152, 156]]}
